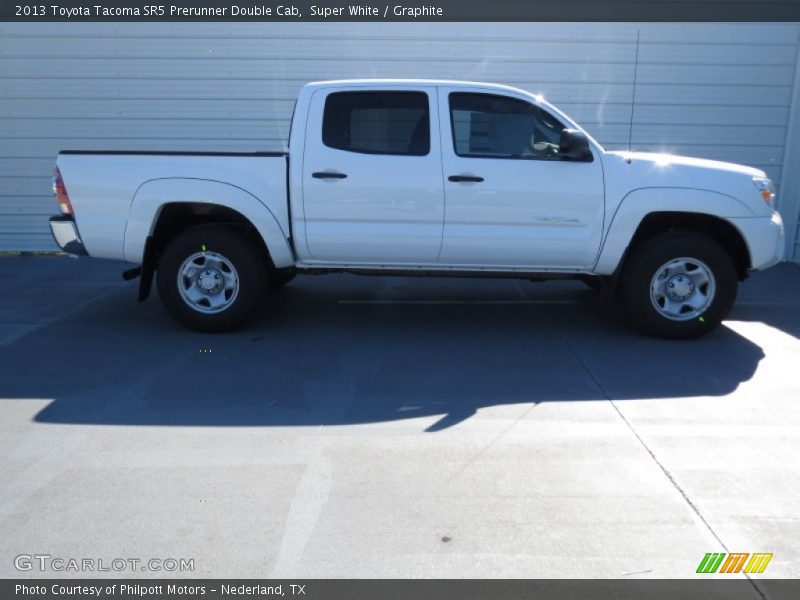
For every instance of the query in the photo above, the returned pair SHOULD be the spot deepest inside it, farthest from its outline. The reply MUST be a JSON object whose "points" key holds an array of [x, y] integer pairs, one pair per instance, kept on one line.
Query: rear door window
{"points": [[377, 123]]}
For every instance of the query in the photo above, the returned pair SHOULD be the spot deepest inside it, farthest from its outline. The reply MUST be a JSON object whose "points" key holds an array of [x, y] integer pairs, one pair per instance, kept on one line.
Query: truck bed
{"points": [[103, 185]]}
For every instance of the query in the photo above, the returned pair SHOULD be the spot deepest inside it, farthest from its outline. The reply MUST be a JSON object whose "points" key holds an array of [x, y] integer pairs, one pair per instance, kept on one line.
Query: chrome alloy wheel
{"points": [[208, 282], [682, 289]]}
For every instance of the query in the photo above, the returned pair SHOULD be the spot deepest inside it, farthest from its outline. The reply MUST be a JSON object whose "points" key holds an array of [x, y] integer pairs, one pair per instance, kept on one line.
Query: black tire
{"points": [[280, 277], [647, 259], [238, 252]]}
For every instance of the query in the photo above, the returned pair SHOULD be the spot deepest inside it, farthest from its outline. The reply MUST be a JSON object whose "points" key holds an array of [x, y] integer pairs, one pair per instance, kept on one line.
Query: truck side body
{"points": [[407, 176]]}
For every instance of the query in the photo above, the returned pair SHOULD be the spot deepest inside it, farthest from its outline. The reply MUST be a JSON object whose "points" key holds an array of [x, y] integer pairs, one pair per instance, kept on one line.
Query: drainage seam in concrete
{"points": [[485, 448], [661, 466], [60, 317]]}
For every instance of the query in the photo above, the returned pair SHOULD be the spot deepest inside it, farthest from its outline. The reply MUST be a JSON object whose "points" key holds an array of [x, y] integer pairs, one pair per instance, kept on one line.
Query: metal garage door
{"points": [[721, 91]]}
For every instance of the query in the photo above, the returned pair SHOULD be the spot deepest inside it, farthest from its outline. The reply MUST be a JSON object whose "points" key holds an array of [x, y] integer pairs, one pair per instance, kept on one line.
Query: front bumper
{"points": [[765, 239], [65, 233]]}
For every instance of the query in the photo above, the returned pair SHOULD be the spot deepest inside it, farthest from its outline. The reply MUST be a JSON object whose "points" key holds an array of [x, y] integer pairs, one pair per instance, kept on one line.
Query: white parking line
{"points": [[436, 302], [512, 302], [767, 304], [518, 302]]}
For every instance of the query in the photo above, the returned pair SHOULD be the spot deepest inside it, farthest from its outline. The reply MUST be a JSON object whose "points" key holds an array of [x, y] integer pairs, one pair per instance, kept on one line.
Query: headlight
{"points": [[765, 188]]}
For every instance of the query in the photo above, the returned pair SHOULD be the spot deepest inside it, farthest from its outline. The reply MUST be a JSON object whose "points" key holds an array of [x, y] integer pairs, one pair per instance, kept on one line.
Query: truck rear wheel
{"points": [[211, 278], [678, 285]]}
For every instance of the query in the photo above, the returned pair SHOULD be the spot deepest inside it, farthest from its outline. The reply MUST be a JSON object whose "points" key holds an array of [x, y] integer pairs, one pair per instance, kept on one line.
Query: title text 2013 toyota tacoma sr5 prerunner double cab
{"points": [[423, 177]]}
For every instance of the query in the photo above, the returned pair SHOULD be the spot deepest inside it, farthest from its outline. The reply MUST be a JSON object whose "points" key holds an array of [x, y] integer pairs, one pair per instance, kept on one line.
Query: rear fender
{"points": [[152, 195]]}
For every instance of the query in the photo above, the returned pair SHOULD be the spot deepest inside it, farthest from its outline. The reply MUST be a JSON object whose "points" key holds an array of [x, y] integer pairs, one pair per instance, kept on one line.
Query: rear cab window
{"points": [[369, 122]]}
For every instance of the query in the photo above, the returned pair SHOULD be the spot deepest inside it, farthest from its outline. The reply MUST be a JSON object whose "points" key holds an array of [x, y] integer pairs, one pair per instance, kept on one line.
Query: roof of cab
{"points": [[416, 82]]}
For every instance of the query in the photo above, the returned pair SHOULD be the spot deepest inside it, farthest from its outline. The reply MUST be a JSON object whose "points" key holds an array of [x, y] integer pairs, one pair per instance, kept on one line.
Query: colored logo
{"points": [[737, 562]]}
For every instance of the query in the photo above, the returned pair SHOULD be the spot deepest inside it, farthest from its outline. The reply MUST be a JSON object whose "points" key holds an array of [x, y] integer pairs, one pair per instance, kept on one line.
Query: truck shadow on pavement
{"points": [[312, 359]]}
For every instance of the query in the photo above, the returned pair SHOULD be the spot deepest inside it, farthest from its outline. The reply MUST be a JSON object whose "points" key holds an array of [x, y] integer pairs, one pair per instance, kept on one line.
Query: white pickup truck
{"points": [[398, 177]]}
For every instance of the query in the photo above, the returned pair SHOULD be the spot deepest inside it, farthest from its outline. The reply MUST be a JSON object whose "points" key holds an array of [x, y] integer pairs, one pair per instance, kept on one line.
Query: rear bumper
{"points": [[65, 233], [765, 239]]}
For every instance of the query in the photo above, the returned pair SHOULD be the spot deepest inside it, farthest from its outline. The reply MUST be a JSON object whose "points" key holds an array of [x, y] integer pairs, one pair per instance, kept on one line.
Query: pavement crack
{"points": [[655, 459], [78, 307], [464, 466]]}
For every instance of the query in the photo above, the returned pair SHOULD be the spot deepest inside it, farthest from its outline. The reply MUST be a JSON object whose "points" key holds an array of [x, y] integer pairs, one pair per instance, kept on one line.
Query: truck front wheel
{"points": [[211, 278], [678, 285]]}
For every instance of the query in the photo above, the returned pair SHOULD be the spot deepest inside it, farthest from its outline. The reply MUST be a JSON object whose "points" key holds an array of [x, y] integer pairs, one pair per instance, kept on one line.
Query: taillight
{"points": [[60, 191]]}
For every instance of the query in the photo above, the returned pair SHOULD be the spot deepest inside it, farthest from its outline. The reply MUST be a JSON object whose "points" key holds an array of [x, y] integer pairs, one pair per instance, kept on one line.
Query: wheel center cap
{"points": [[209, 280], [679, 287]]}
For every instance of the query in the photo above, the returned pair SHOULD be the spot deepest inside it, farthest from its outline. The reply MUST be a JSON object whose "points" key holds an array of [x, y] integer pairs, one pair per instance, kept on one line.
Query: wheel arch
{"points": [[165, 205], [717, 228], [163, 208], [702, 211]]}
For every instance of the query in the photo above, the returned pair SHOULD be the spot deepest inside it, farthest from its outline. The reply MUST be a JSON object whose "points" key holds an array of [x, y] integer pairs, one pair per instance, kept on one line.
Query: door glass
{"points": [[491, 126], [377, 123]]}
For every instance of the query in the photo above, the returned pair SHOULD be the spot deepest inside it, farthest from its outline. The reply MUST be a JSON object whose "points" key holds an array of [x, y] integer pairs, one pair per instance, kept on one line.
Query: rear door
{"points": [[372, 177]]}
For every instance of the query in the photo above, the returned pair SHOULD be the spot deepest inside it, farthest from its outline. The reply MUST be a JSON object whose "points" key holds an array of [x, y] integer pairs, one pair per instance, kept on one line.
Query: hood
{"points": [[700, 164]]}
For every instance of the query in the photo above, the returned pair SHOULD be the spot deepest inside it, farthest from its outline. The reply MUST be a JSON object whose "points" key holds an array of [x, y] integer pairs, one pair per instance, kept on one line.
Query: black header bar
{"points": [[401, 10]]}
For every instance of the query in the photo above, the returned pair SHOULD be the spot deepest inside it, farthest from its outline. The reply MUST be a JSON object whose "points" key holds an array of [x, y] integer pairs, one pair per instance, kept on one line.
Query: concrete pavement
{"points": [[394, 427]]}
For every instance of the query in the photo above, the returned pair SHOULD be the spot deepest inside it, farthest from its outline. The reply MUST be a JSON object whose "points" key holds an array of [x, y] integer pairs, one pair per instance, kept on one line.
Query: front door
{"points": [[512, 201]]}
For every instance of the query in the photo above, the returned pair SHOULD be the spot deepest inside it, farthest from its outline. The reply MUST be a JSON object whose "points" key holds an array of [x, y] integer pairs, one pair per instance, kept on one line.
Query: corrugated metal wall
{"points": [[720, 91]]}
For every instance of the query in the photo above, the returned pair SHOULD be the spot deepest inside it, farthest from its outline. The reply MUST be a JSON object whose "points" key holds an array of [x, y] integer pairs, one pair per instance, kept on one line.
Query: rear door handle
{"points": [[328, 175], [463, 178]]}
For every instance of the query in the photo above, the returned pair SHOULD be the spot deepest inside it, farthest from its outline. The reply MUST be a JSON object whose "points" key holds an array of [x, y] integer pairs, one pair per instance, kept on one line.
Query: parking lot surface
{"points": [[394, 427]]}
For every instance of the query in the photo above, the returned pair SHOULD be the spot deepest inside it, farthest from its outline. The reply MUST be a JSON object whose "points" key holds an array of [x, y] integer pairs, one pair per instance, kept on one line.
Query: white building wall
{"points": [[722, 91]]}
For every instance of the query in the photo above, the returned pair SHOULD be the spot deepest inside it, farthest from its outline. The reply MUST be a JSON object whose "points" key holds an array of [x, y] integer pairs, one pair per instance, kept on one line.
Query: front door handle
{"points": [[463, 178], [328, 175]]}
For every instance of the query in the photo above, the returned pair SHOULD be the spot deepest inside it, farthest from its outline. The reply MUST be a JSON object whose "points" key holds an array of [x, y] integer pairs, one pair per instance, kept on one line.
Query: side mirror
{"points": [[574, 146]]}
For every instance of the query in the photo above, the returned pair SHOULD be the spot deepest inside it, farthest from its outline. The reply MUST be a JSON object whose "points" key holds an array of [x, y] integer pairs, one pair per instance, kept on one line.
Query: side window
{"points": [[377, 122], [490, 126]]}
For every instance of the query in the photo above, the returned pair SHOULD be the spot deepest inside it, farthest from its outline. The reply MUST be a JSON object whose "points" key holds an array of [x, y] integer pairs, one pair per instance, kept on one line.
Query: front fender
{"points": [[636, 205], [154, 194]]}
